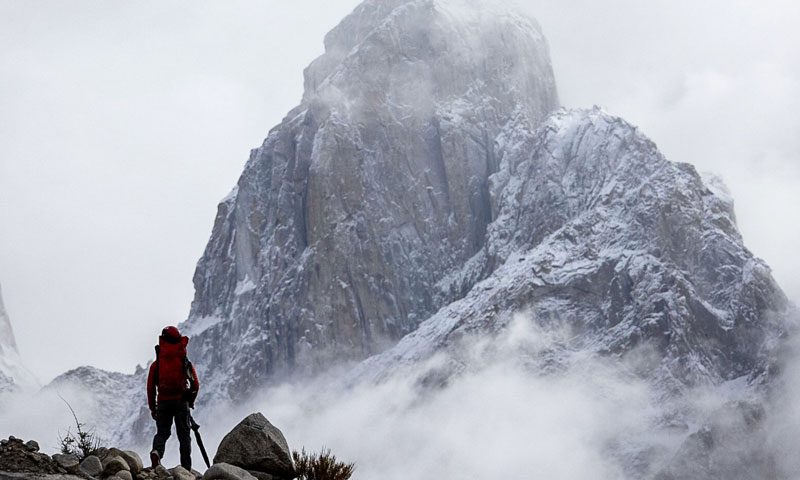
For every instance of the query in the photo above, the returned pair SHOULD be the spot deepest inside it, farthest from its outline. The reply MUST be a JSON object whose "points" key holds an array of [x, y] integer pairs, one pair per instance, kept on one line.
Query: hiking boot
{"points": [[155, 459]]}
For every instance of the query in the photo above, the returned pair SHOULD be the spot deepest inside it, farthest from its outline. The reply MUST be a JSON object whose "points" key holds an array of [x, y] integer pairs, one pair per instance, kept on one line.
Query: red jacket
{"points": [[166, 379]]}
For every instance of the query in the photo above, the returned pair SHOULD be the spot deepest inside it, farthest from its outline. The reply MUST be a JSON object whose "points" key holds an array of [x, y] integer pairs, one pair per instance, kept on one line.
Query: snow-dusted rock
{"points": [[13, 374], [116, 402], [597, 231]]}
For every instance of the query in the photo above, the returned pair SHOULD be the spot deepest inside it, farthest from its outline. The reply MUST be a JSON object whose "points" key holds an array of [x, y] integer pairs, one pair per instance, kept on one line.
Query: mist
{"points": [[516, 405]]}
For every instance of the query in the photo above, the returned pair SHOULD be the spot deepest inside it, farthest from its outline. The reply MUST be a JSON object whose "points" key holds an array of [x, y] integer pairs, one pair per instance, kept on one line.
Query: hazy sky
{"points": [[122, 124]]}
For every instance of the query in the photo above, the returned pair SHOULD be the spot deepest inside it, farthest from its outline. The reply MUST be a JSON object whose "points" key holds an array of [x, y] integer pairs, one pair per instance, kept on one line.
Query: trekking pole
{"points": [[196, 428]]}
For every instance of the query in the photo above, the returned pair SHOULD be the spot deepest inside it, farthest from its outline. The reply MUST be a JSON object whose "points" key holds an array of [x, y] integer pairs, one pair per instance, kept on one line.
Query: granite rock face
{"points": [[368, 194]]}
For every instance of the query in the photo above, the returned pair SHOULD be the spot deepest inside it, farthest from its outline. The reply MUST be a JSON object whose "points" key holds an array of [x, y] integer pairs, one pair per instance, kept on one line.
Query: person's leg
{"points": [[183, 429], [164, 416]]}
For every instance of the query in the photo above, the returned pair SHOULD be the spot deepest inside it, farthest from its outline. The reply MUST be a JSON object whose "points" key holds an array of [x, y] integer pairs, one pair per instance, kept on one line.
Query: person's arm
{"points": [[151, 390], [196, 380]]}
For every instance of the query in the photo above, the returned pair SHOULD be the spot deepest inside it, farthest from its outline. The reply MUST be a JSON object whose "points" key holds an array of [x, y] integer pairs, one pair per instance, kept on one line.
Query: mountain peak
{"points": [[412, 54]]}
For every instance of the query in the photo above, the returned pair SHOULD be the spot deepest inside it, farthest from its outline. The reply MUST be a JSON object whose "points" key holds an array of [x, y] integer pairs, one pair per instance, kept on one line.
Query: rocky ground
{"points": [[254, 450]]}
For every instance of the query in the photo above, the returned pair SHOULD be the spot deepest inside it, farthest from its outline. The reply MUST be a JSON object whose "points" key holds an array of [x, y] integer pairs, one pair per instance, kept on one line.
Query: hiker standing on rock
{"points": [[172, 386]]}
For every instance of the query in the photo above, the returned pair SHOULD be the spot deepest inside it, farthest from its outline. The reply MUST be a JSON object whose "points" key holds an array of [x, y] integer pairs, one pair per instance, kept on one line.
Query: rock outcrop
{"points": [[17, 456], [22, 461]]}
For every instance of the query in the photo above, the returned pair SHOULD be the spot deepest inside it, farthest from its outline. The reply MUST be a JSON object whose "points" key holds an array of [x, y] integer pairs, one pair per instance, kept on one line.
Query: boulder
{"points": [[225, 471], [123, 475], [69, 462], [113, 464], [101, 453], [180, 473], [32, 445], [133, 459], [162, 472], [261, 475], [256, 444], [91, 466]]}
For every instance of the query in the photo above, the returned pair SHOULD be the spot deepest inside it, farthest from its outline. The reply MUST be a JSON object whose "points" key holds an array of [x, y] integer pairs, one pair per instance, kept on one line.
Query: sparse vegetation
{"points": [[321, 466], [83, 443]]}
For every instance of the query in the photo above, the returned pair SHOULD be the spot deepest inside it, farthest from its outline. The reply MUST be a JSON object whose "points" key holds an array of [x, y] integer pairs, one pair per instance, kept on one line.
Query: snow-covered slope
{"points": [[13, 374], [112, 403], [595, 230]]}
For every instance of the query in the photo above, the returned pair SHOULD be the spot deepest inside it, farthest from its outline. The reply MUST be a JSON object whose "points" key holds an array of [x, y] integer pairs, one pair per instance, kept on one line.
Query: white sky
{"points": [[122, 124]]}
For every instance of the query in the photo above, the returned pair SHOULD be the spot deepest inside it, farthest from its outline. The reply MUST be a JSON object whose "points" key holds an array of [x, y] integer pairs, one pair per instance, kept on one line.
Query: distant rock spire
{"points": [[13, 374], [7, 341]]}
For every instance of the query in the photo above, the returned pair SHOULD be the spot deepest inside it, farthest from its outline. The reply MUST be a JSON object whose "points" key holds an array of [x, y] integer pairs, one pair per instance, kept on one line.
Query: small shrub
{"points": [[321, 466], [83, 443]]}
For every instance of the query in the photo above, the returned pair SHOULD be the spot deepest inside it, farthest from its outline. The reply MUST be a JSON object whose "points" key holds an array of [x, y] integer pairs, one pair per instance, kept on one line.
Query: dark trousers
{"points": [[166, 412]]}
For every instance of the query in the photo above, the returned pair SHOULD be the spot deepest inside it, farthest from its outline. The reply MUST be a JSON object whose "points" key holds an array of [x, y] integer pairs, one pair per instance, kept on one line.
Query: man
{"points": [[172, 386]]}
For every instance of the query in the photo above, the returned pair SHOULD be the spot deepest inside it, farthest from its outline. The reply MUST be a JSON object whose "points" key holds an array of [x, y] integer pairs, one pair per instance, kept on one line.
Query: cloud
{"points": [[503, 416]]}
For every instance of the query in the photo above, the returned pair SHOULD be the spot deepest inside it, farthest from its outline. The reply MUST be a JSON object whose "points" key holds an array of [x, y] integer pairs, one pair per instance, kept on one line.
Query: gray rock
{"points": [[92, 466], [123, 475], [162, 472], [225, 471], [32, 445], [261, 475], [256, 444], [733, 444], [132, 458], [180, 473], [70, 462], [113, 464], [37, 476], [103, 452]]}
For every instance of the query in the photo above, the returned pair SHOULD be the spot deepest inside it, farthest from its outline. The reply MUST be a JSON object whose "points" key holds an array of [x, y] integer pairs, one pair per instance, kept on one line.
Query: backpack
{"points": [[174, 373]]}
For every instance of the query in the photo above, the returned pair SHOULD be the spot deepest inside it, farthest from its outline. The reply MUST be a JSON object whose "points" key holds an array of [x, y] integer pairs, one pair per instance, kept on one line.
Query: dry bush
{"points": [[321, 466], [82, 443]]}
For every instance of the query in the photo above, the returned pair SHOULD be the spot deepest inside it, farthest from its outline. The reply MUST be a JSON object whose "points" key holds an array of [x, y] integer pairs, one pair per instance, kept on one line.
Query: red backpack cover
{"points": [[171, 376], [171, 361]]}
